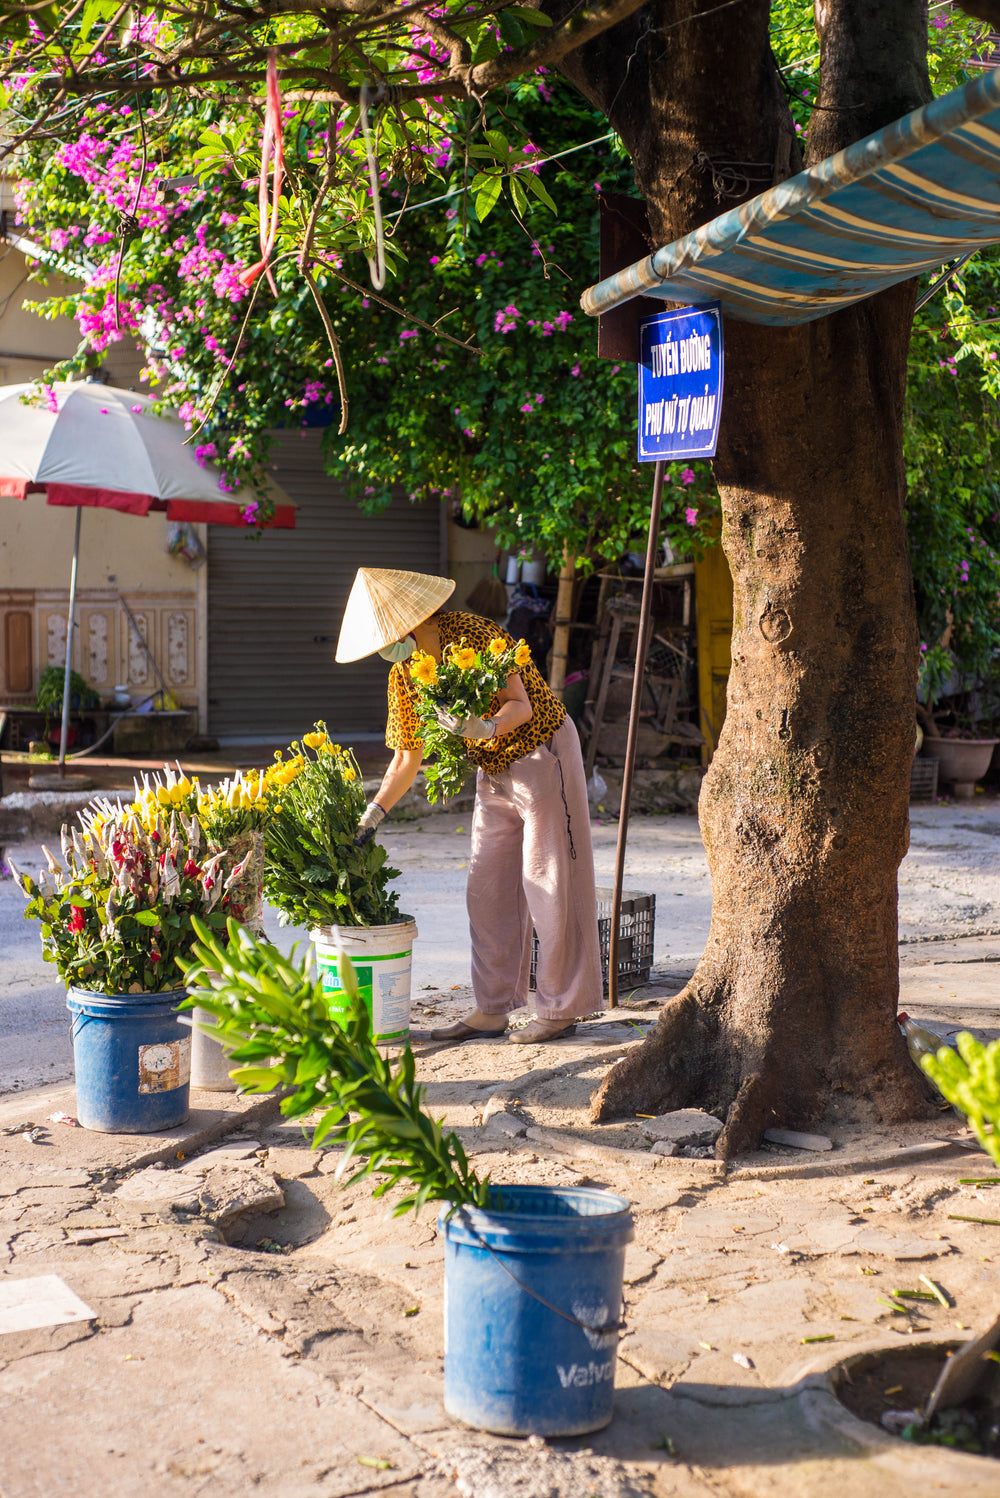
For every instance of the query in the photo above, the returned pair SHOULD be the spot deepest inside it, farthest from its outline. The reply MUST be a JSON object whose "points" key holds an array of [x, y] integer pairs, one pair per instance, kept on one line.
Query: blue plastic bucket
{"points": [[132, 1059], [512, 1363]]}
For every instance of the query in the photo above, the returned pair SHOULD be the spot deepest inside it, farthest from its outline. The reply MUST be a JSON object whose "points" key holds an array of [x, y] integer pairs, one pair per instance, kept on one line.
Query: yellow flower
{"points": [[328, 748], [314, 740], [522, 655], [349, 774], [424, 670], [498, 645], [464, 659], [163, 795]]}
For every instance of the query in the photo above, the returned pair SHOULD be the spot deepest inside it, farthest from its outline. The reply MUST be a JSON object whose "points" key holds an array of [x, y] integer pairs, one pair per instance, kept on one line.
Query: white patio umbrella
{"points": [[88, 445]]}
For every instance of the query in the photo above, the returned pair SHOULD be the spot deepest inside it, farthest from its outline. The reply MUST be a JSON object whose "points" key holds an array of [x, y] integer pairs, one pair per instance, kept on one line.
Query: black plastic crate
{"points": [[636, 923], [923, 778]]}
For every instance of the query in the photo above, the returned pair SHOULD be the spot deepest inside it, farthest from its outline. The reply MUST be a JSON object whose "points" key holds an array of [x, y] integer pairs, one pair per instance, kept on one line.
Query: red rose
{"points": [[76, 921]]}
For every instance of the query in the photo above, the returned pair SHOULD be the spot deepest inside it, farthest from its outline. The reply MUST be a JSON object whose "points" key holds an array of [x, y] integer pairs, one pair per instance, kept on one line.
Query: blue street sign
{"points": [[680, 383]]}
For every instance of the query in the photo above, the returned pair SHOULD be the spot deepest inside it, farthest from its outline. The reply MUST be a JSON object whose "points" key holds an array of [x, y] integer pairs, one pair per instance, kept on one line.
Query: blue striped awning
{"points": [[904, 200]]}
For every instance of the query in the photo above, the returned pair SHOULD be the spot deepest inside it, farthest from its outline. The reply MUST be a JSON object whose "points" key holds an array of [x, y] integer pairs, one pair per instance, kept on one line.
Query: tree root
{"points": [[693, 1058], [661, 1074]]}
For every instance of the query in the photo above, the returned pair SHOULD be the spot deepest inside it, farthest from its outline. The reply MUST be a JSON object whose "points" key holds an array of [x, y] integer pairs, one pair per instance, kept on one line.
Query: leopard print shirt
{"points": [[493, 756]]}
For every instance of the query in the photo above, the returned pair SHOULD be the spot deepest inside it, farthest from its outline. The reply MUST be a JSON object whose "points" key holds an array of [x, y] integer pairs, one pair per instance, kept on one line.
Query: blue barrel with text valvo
{"points": [[533, 1309]]}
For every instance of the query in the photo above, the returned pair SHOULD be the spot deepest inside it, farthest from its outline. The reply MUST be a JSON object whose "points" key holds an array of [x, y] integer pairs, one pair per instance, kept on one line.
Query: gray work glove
{"points": [[467, 728], [373, 815]]}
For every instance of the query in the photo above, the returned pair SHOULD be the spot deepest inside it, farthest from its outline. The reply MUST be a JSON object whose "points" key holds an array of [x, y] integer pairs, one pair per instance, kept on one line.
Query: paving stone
{"points": [[891, 1246], [152, 1185], [227, 1154], [229, 1192], [683, 1126]]}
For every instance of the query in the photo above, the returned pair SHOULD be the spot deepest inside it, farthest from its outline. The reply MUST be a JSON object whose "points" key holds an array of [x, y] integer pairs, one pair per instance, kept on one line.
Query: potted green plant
{"points": [[115, 916], [533, 1274], [319, 877], [49, 698], [962, 750]]}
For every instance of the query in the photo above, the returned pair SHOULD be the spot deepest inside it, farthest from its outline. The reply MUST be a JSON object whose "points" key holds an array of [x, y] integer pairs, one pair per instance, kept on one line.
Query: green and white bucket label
{"points": [[384, 983]]}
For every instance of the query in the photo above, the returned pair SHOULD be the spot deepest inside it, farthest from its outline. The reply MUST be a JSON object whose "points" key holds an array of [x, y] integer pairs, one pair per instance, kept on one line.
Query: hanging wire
{"points": [[453, 192]]}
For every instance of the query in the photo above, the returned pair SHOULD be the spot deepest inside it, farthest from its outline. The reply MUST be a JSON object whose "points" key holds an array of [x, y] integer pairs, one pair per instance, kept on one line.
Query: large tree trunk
{"points": [[804, 808]]}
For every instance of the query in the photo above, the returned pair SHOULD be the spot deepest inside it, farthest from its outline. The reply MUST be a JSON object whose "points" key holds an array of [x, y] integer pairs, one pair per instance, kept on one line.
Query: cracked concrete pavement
{"points": [[257, 1327]]}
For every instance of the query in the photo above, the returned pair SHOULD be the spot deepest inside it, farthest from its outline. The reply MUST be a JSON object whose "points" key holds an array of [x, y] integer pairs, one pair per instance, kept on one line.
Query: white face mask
{"points": [[399, 650]]}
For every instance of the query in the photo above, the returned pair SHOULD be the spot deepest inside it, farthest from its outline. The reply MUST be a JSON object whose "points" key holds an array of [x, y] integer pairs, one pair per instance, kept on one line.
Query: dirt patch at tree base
{"points": [[902, 1381]]}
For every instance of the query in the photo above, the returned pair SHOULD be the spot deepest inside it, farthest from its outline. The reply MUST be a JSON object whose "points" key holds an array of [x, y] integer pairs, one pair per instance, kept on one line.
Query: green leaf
{"points": [[528, 17], [519, 195], [93, 12]]}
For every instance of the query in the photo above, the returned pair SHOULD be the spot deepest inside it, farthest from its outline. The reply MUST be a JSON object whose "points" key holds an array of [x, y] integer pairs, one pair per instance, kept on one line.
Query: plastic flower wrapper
{"points": [[465, 682], [233, 815], [314, 872], [116, 913]]}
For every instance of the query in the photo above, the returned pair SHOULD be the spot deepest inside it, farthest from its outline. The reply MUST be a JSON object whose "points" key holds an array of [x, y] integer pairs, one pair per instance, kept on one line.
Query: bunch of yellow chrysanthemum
{"points": [[465, 682], [314, 873]]}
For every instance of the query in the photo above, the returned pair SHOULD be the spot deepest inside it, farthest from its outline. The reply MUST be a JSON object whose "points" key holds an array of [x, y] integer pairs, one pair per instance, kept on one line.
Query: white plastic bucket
{"points": [[383, 960], [210, 1061]]}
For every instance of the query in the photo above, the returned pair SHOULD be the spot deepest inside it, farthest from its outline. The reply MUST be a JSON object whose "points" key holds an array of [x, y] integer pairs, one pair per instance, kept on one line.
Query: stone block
{"points": [[684, 1126]]}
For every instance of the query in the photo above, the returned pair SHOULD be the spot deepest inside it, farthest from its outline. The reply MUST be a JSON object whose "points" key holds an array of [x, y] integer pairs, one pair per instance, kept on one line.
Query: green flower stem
{"points": [[270, 1010]]}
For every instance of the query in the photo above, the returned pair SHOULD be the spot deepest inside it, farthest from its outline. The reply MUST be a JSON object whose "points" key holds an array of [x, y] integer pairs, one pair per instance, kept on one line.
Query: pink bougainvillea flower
{"points": [[687, 475], [273, 144], [691, 516]]}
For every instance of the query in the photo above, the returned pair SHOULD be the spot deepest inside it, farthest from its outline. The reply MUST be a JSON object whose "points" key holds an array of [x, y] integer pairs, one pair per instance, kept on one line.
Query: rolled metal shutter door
{"points": [[268, 600]]}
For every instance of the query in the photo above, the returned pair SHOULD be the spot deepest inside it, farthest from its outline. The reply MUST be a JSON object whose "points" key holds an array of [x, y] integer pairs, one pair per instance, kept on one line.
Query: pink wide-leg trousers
{"points": [[532, 864]]}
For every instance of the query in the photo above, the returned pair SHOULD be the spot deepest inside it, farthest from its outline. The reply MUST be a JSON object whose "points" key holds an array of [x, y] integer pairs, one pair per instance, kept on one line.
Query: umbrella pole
{"points": [[64, 729], [641, 648]]}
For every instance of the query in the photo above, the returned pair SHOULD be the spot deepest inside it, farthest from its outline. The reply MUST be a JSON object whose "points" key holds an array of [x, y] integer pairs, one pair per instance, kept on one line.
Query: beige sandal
{"points": [[540, 1030]]}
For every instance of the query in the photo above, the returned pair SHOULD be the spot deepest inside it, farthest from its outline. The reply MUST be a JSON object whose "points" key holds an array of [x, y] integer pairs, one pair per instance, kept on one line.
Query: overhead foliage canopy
{"points": [[138, 140]]}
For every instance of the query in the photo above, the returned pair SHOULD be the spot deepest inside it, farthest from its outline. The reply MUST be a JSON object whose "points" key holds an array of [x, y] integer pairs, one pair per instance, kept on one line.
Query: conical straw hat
{"points": [[384, 606]]}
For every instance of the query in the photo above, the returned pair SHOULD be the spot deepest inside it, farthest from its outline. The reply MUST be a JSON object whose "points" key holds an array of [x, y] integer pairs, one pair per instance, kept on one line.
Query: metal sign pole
{"points": [[641, 649], [64, 730]]}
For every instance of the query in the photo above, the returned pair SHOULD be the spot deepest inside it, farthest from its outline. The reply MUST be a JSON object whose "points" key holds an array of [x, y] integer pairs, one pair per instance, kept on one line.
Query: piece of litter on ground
{"points": [[44, 1300], [64, 1118], [707, 1346], [896, 1421], [33, 1135], [781, 1248], [791, 1139], [742, 1361], [380, 1463], [95, 1235]]}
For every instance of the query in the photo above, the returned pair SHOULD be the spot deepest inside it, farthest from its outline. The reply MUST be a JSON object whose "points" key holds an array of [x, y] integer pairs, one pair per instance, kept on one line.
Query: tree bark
{"points": [[804, 810], [563, 620]]}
